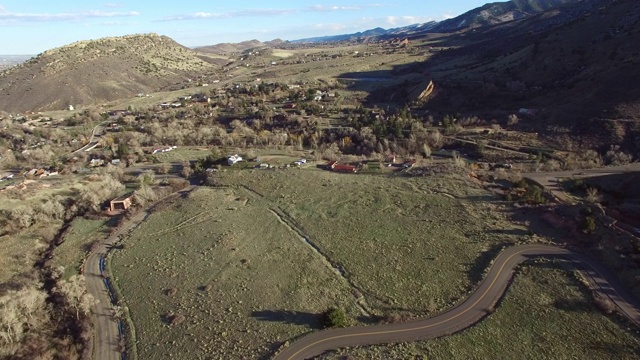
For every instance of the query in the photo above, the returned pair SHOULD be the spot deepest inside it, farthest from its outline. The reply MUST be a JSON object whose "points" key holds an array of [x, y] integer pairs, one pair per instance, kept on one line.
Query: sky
{"points": [[31, 27]]}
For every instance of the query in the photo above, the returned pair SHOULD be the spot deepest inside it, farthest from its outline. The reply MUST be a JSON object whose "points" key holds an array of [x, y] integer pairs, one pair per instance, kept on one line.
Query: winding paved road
{"points": [[473, 309]]}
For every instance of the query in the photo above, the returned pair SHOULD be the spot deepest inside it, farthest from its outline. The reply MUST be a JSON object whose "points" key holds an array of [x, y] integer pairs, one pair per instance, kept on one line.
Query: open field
{"points": [[182, 154], [229, 260], [413, 245], [546, 313], [243, 281], [71, 253], [20, 251]]}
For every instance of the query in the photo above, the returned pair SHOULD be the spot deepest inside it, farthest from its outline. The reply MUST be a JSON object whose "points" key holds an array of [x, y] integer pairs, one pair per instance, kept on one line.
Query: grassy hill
{"points": [[97, 71]]}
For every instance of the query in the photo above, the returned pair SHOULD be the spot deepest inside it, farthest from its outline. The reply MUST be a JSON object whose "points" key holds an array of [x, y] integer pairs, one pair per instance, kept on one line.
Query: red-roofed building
{"points": [[344, 168], [330, 165]]}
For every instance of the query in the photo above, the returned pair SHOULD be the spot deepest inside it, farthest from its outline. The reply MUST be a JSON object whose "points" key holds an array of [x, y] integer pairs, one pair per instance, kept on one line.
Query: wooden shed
{"points": [[121, 202]]}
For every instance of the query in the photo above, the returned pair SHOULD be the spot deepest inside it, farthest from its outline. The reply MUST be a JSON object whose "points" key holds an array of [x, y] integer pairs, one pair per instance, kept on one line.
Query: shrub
{"points": [[592, 195], [335, 317], [164, 168], [147, 177], [186, 172], [588, 224]]}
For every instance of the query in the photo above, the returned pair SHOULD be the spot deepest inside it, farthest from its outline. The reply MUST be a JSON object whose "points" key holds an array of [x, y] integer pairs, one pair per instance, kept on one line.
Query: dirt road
{"points": [[107, 337], [93, 142], [551, 180], [473, 309]]}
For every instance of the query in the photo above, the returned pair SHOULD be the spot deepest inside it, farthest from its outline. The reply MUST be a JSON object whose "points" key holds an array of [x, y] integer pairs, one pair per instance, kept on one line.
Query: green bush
{"points": [[335, 317], [588, 224]]}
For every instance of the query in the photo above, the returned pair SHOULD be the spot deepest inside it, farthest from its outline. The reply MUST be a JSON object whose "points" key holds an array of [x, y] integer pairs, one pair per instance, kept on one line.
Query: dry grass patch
{"points": [[243, 281], [409, 244], [71, 253]]}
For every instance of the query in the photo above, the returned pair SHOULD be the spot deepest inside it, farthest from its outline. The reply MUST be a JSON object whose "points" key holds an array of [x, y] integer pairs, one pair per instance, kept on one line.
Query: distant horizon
{"points": [[30, 28]]}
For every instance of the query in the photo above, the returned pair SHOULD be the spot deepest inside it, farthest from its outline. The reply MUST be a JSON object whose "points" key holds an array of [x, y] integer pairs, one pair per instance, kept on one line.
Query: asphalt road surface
{"points": [[473, 309]]}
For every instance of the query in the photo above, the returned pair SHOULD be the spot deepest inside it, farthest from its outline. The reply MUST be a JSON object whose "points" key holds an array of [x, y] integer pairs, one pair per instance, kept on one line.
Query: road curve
{"points": [[92, 140], [479, 304]]}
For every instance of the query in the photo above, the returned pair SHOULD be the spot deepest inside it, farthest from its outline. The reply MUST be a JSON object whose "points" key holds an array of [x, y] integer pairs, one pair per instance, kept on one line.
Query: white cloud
{"points": [[447, 16], [265, 12], [228, 15], [406, 20], [113, 5], [36, 17], [324, 8], [330, 27], [118, 23]]}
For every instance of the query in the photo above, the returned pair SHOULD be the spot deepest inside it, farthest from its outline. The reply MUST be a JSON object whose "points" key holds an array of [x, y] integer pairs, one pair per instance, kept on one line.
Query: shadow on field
{"points": [[476, 272], [311, 320], [513, 232], [572, 305]]}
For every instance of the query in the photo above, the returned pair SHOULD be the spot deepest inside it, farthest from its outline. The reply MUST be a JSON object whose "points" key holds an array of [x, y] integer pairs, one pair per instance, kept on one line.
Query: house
{"points": [[232, 159], [96, 162], [344, 168], [115, 162], [408, 164], [121, 202], [330, 165], [391, 158]]}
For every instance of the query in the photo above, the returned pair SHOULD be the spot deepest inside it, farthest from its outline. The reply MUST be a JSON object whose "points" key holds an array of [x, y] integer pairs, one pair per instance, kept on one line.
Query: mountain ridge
{"points": [[488, 14]]}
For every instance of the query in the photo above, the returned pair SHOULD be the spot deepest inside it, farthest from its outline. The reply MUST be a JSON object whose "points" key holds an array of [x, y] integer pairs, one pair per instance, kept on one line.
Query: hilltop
{"points": [[231, 48], [97, 71]]}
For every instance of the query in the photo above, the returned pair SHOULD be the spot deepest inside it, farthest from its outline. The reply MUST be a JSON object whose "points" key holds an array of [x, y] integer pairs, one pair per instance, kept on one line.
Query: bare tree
{"points": [[164, 168], [75, 292], [426, 150]]}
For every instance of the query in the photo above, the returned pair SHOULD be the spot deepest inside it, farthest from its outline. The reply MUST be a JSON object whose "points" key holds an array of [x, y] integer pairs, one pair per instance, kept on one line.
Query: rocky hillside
{"points": [[231, 48], [498, 12], [578, 67], [96, 71]]}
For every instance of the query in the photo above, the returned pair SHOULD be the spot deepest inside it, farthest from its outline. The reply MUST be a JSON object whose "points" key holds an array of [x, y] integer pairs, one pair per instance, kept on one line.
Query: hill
{"points": [[578, 65], [489, 14], [498, 12], [231, 48], [97, 71]]}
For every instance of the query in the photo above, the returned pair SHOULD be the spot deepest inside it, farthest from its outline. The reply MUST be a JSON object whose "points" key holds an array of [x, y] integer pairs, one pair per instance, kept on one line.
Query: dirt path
{"points": [[478, 305], [551, 180], [106, 332], [107, 336]]}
